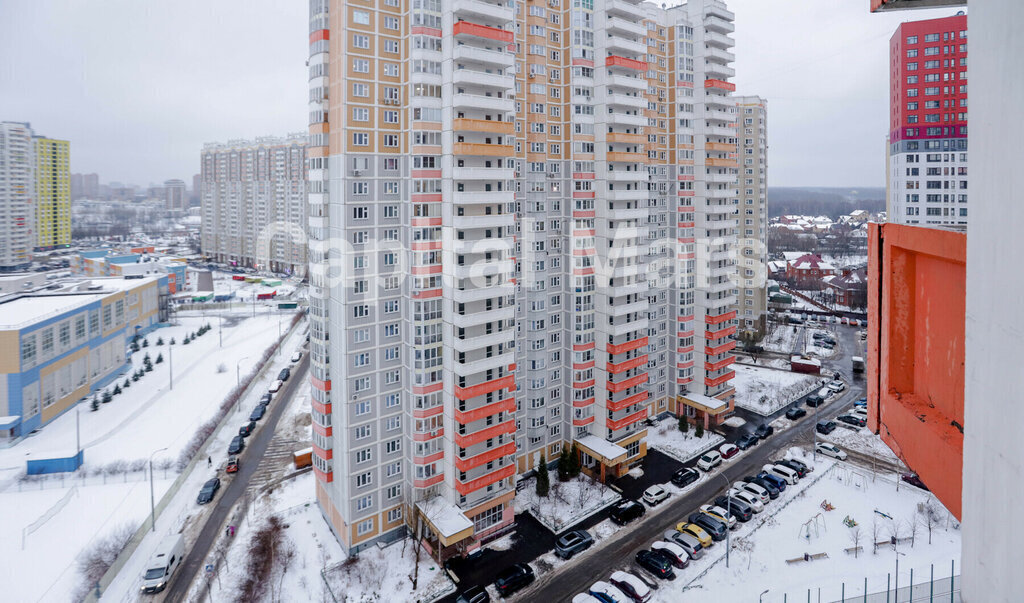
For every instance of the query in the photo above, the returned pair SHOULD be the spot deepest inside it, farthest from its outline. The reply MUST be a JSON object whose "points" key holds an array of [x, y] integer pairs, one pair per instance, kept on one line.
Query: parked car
{"points": [[284, 374], [573, 542], [753, 501], [697, 532], [626, 511], [473, 594], [232, 466], [853, 420], [863, 402], [830, 450], [800, 467], [719, 513], [781, 471], [654, 495], [814, 400], [728, 450], [586, 598], [656, 563], [685, 477], [208, 490], [769, 487], [690, 543], [757, 490], [825, 427], [296, 357], [257, 413], [276, 386], [607, 593], [237, 445], [818, 335], [247, 429], [513, 578], [779, 483], [709, 460], [265, 398], [675, 553], [715, 528], [913, 480], [825, 393], [836, 386], [747, 441], [737, 508], [795, 413], [631, 586], [764, 430]]}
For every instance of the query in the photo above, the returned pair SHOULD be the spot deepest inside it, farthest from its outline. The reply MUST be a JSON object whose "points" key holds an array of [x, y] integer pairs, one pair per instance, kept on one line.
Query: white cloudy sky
{"points": [[138, 86]]}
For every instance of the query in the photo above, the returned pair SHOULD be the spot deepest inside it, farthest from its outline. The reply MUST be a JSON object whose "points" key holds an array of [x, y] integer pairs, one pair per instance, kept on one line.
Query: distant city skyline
{"points": [[199, 72]]}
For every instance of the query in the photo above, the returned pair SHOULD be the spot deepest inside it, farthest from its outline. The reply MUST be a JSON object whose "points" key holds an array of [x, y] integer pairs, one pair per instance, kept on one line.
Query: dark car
{"points": [[237, 445], [814, 400], [257, 413], [626, 511], [247, 429], [473, 594], [209, 489], [739, 509], [913, 480], [573, 542], [656, 563], [715, 528], [778, 482], [513, 578], [685, 476], [819, 335], [825, 427], [746, 441], [852, 420], [764, 430], [800, 468], [773, 491], [265, 398], [284, 374], [795, 413], [863, 403]]}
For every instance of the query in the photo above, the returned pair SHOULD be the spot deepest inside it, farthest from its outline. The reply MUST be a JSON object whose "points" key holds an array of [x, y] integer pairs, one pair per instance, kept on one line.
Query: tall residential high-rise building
{"points": [[254, 203], [76, 187], [91, 186], [522, 236], [927, 179], [194, 193], [52, 215], [752, 212], [17, 195], [175, 197]]}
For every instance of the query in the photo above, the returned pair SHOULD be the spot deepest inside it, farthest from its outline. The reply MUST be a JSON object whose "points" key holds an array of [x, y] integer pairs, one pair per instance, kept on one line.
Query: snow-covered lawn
{"points": [[782, 339], [766, 390], [666, 437], [761, 547], [566, 503], [863, 441]]}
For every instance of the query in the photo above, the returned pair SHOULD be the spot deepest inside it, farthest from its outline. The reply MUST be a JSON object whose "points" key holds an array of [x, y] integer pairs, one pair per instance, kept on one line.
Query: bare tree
{"points": [[930, 518], [855, 539], [874, 535], [913, 526]]}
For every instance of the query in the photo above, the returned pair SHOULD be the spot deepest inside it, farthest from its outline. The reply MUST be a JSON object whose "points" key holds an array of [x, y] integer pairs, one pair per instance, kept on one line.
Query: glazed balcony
{"points": [[483, 56], [488, 13]]}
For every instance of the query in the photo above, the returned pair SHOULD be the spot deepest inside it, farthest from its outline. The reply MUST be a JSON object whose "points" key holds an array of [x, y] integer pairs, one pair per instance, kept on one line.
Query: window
{"points": [[360, 90], [362, 407], [392, 446], [360, 17], [362, 384], [394, 514], [391, 46], [363, 431], [364, 527], [361, 41], [393, 491], [360, 114], [360, 139], [360, 66], [391, 23], [392, 400], [394, 469], [393, 423], [364, 455], [364, 502]]}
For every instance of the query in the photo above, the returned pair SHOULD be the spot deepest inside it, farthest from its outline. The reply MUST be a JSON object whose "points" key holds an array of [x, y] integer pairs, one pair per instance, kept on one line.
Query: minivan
{"points": [[783, 472], [168, 556]]}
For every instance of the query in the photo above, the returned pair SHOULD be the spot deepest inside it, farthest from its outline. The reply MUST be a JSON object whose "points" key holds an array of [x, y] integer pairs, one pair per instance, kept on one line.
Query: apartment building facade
{"points": [[254, 203], [52, 215], [175, 197], [522, 236], [927, 163], [752, 213], [17, 196]]}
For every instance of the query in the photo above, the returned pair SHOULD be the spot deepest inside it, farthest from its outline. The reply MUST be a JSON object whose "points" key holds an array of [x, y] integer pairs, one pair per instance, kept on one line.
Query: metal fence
{"points": [[907, 588]]}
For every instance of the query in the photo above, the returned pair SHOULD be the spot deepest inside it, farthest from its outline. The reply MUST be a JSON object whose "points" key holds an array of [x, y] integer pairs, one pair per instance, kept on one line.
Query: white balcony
{"points": [[625, 176], [720, 131], [463, 296], [479, 101], [721, 193], [483, 245], [717, 178], [628, 48], [485, 221], [718, 71], [482, 268], [484, 364], [482, 173], [626, 81], [720, 116], [483, 56], [626, 327], [719, 54], [624, 100], [482, 197], [622, 26], [624, 119], [473, 77], [621, 290], [484, 316], [482, 341], [628, 10], [720, 40], [718, 24], [621, 309], [624, 195], [624, 214], [719, 101], [720, 256], [717, 224], [484, 13]]}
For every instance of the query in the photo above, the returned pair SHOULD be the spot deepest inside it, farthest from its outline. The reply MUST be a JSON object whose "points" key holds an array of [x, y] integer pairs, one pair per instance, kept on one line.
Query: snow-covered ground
{"points": [[863, 441], [811, 347], [846, 261], [761, 547], [223, 283], [666, 437], [766, 390], [567, 502], [782, 339]]}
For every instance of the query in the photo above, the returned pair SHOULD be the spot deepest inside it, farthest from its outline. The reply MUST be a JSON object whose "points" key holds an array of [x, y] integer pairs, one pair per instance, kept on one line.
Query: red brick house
{"points": [[808, 270], [849, 287]]}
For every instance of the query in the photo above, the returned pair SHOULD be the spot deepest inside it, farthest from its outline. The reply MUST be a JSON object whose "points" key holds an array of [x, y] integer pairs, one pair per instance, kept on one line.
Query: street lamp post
{"points": [[152, 498], [170, 363], [728, 528], [763, 593]]}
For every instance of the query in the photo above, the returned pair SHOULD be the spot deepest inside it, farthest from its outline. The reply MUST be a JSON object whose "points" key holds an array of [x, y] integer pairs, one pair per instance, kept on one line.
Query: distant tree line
{"points": [[797, 201]]}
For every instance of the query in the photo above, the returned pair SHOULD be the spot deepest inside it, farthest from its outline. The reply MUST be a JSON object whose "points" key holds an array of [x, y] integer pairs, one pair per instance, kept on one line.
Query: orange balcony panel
{"points": [[708, 381], [716, 162], [617, 61], [485, 150], [724, 332], [720, 146], [465, 393], [428, 435], [628, 383], [427, 389], [482, 31], [430, 481], [625, 365], [719, 84], [423, 413], [582, 347], [582, 422], [582, 365], [324, 431], [687, 364], [485, 480], [584, 195], [426, 245], [324, 386], [320, 407], [322, 476], [467, 440], [584, 175], [724, 362], [585, 214], [624, 156], [426, 269], [427, 31], [426, 221], [426, 173], [636, 417], [714, 320], [718, 349], [582, 384], [582, 403], [465, 464], [430, 458], [427, 198], [623, 137], [468, 416], [324, 454], [463, 124], [426, 294], [627, 346], [634, 399]]}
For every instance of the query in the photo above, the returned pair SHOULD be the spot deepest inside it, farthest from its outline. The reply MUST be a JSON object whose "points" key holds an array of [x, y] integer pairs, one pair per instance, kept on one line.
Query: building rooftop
{"points": [[18, 311]]}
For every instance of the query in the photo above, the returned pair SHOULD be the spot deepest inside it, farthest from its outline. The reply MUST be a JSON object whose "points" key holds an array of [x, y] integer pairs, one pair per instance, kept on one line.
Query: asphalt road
{"points": [[248, 462]]}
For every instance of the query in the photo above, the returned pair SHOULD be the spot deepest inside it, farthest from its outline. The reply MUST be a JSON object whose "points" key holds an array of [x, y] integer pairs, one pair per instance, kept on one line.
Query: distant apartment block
{"points": [[175, 195], [927, 160], [254, 203], [52, 222], [17, 196], [523, 236], [752, 213]]}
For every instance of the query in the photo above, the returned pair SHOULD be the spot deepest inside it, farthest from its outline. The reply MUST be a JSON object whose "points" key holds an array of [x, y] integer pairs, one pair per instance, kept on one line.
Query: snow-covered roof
{"points": [[792, 255], [810, 261], [10, 421], [709, 403], [446, 518], [602, 447], [802, 360]]}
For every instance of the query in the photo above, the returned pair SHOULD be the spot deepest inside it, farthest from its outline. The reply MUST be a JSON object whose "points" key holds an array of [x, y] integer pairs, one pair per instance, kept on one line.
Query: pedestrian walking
{"points": [[209, 461]]}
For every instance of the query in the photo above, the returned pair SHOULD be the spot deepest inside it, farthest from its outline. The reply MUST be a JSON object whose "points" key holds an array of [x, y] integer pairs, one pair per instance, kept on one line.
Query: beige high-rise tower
{"points": [[752, 212]]}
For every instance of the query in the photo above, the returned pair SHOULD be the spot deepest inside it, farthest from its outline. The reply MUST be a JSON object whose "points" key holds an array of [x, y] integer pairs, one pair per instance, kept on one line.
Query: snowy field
{"points": [[666, 437], [863, 441], [567, 502], [796, 524], [782, 339], [766, 390]]}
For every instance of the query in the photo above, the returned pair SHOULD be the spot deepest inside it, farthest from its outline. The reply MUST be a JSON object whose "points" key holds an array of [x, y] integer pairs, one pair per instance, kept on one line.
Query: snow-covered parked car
{"points": [[830, 450], [654, 495], [709, 460], [728, 450], [836, 386], [750, 498]]}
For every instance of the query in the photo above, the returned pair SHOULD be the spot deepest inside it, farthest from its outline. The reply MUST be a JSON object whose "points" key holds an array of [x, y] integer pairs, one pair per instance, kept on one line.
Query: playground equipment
{"points": [[849, 522], [827, 505]]}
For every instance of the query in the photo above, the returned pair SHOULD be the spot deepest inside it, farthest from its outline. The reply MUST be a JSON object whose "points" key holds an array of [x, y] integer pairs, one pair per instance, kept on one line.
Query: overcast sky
{"points": [[138, 86]]}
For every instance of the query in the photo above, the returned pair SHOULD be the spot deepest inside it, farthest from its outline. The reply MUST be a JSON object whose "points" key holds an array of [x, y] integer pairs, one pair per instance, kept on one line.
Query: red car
{"points": [[728, 450], [232, 466]]}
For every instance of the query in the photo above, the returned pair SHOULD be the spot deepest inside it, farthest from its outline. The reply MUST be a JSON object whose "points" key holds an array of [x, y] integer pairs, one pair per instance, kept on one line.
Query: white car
{"points": [[859, 411], [608, 591], [751, 499], [755, 489], [837, 386], [720, 514], [585, 598], [275, 386], [296, 357], [709, 460], [830, 450], [654, 495]]}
